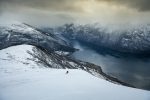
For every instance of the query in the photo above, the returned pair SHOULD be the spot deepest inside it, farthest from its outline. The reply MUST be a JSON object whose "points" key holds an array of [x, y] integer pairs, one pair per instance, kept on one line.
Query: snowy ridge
{"points": [[21, 81], [16, 34], [33, 57]]}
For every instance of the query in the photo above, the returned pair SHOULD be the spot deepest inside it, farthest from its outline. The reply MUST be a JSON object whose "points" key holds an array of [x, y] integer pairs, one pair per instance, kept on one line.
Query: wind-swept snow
{"points": [[22, 79]]}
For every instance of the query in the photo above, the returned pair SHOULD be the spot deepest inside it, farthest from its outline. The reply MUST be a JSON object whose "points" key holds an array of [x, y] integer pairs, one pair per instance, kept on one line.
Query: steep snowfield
{"points": [[22, 79]]}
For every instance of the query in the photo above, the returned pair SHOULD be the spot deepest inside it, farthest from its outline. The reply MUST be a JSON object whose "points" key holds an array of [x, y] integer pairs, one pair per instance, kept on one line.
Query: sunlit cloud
{"points": [[83, 11]]}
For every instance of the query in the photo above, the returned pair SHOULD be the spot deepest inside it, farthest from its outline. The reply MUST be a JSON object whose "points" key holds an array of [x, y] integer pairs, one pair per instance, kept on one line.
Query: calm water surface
{"points": [[134, 71]]}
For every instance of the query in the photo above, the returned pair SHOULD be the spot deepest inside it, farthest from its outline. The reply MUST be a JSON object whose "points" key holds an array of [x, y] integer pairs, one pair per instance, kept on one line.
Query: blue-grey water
{"points": [[134, 71]]}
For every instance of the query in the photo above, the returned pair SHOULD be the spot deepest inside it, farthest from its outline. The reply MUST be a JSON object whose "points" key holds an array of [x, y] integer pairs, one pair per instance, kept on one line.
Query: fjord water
{"points": [[131, 70]]}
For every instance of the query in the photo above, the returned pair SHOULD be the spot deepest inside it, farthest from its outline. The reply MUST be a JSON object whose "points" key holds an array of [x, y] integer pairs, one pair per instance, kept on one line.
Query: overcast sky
{"points": [[58, 12]]}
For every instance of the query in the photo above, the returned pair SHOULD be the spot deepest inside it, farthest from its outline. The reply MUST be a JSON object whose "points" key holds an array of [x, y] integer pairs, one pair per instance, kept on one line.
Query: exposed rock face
{"points": [[23, 34]]}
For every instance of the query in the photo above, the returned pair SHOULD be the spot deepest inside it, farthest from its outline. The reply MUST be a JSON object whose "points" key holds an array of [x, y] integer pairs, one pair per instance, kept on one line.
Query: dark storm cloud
{"points": [[69, 5], [140, 5]]}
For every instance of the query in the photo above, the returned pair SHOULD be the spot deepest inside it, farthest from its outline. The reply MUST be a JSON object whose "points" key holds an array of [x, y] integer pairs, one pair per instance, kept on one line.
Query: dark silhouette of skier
{"points": [[67, 72]]}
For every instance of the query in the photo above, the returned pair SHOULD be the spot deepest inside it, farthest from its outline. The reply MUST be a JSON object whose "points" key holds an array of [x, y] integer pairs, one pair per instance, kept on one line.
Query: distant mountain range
{"points": [[134, 40]]}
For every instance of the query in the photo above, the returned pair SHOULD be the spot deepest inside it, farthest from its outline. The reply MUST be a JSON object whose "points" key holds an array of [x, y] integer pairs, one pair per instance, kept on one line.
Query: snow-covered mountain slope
{"points": [[61, 61], [16, 34], [133, 40], [47, 49], [23, 78]]}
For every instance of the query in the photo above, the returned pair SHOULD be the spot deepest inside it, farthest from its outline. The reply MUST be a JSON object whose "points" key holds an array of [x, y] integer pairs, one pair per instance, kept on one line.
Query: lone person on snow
{"points": [[67, 72]]}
